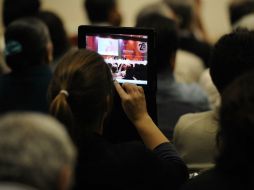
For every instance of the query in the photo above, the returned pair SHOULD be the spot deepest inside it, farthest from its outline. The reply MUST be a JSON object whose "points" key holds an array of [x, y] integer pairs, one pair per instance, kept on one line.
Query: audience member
{"points": [[35, 153], [81, 97], [28, 51], [60, 40], [208, 86], [16, 9], [173, 99], [159, 8], [242, 16], [234, 169], [195, 134], [12, 10], [101, 12], [193, 37], [188, 67]]}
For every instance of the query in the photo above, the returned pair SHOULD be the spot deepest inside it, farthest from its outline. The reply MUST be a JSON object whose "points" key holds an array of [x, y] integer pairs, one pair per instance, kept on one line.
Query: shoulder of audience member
{"points": [[190, 119]]}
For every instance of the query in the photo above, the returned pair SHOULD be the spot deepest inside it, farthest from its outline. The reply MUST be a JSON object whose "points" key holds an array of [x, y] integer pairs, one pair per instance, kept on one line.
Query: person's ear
{"points": [[106, 113], [109, 104], [65, 178], [114, 17], [172, 61], [50, 52]]}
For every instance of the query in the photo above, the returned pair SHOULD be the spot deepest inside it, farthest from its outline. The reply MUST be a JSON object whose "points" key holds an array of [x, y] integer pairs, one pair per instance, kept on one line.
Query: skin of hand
{"points": [[133, 101]]}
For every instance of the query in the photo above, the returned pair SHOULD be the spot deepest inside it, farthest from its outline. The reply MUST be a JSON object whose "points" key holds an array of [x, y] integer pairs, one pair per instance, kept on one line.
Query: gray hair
{"points": [[33, 150]]}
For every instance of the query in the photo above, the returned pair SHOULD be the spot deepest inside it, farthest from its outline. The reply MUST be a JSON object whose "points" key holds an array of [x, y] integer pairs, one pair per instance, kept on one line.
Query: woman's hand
{"points": [[133, 101], [134, 105]]}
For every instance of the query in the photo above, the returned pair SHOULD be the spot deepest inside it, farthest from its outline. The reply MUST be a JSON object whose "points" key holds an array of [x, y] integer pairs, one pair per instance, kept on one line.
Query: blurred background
{"points": [[214, 14]]}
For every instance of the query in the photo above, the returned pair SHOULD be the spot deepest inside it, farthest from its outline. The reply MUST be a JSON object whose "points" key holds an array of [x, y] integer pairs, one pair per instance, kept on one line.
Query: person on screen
{"points": [[81, 97], [130, 73]]}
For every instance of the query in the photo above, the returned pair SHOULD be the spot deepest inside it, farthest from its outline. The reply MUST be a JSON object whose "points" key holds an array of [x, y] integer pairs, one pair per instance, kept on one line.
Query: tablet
{"points": [[128, 51]]}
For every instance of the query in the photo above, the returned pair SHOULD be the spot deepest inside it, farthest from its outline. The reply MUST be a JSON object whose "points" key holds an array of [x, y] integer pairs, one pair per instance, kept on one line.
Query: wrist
{"points": [[143, 121], [149, 132]]}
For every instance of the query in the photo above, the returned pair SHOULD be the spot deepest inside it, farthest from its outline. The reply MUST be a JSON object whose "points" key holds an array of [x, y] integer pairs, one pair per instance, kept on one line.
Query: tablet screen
{"points": [[126, 55], [127, 51]]}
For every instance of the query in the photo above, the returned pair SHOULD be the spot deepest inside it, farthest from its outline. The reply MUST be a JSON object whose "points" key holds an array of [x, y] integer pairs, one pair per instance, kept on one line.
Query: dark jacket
{"points": [[26, 90], [129, 165], [176, 99], [190, 43]]}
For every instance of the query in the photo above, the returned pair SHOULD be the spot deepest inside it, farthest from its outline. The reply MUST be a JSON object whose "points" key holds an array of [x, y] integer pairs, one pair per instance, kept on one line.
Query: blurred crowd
{"points": [[55, 101]]}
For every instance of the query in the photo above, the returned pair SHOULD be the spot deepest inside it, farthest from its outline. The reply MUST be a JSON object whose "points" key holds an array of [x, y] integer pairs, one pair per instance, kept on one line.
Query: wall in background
{"points": [[216, 18]]}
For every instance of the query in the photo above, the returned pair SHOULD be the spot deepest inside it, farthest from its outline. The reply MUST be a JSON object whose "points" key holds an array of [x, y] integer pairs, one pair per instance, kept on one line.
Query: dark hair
{"points": [[15, 9], [57, 32], [236, 133], [166, 37], [129, 73], [239, 10], [184, 12], [232, 56], [88, 81], [26, 43], [98, 10]]}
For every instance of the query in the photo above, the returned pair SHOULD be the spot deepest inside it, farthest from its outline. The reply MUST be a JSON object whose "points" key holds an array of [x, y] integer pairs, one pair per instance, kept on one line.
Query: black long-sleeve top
{"points": [[128, 166]]}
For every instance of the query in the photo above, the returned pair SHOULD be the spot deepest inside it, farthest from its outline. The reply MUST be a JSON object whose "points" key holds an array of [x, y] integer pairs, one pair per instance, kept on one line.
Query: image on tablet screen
{"points": [[125, 54]]}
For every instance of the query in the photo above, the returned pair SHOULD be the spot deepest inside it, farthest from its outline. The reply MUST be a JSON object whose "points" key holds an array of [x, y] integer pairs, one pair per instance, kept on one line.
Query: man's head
{"points": [[236, 131], [27, 43], [103, 11], [184, 10], [166, 41], [159, 8], [232, 56], [35, 151], [57, 32], [16, 9]]}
